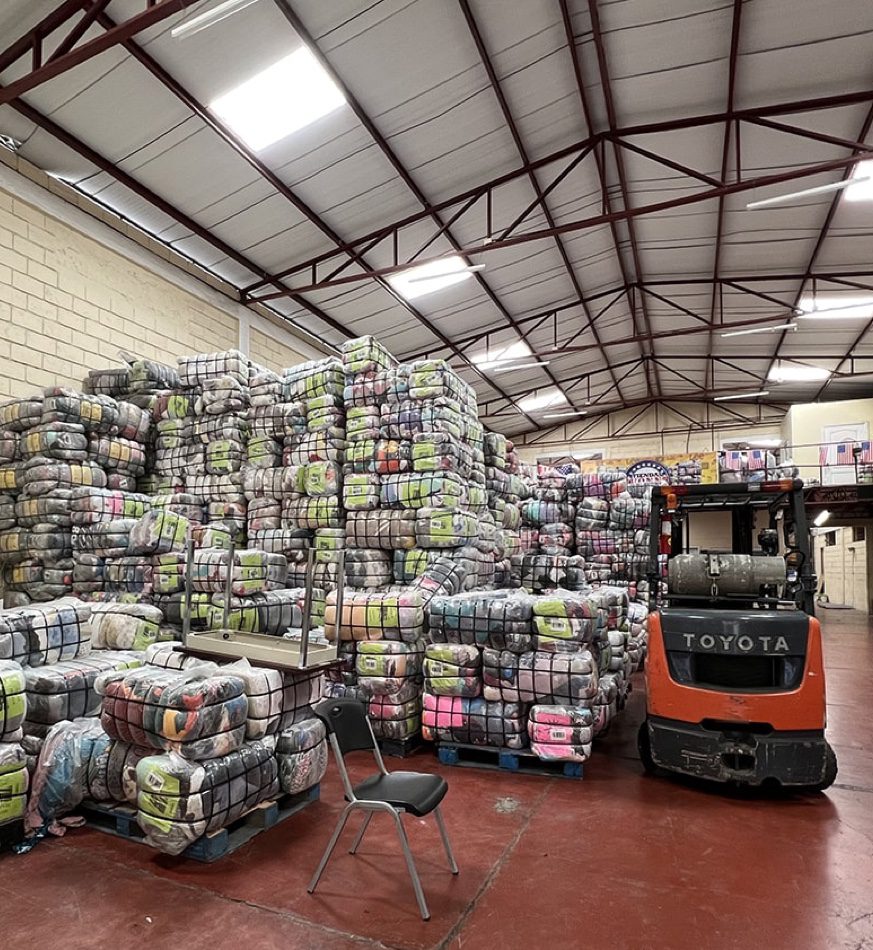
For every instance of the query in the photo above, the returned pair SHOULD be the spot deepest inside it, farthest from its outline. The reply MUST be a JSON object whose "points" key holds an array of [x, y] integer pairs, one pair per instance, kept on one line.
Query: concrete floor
{"points": [[618, 860]]}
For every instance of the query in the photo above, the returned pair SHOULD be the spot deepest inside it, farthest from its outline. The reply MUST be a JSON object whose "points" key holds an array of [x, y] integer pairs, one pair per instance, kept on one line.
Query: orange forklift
{"points": [[735, 685]]}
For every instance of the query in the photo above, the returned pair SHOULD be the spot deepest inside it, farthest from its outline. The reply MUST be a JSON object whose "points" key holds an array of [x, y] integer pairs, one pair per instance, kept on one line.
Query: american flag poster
{"points": [[732, 461], [757, 460]]}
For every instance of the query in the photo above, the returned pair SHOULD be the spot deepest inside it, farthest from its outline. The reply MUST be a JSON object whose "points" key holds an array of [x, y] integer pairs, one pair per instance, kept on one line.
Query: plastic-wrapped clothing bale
{"points": [[252, 571], [180, 801], [313, 447], [272, 612], [224, 456], [362, 422], [221, 396], [90, 506], [592, 515], [14, 782], [117, 626], [323, 479], [13, 700], [627, 513], [290, 542], [201, 368], [379, 457], [430, 379], [361, 492], [159, 531], [366, 615], [443, 576], [48, 542], [389, 530], [529, 539], [7, 512], [94, 413], [117, 454], [368, 390], [499, 619], [62, 441], [444, 528], [323, 415], [276, 483], [174, 433], [301, 753], [564, 621], [56, 631], [474, 721], [52, 508], [264, 690], [167, 655], [312, 379], [561, 733], [545, 572], [408, 565], [197, 712], [183, 460], [478, 566], [539, 513], [39, 580], [121, 761], [132, 574], [106, 539], [388, 665], [107, 382], [265, 387], [607, 483], [539, 677], [438, 452], [217, 488], [278, 421], [453, 669], [422, 489], [213, 535], [66, 690], [556, 538], [229, 515], [262, 451], [180, 503], [14, 636], [607, 541], [13, 545], [231, 427], [312, 513], [368, 568], [365, 354], [168, 573], [148, 374], [8, 447], [133, 423], [16, 415], [412, 417]]}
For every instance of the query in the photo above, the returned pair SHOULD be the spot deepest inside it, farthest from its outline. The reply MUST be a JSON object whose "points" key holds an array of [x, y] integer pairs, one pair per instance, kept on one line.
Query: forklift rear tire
{"points": [[830, 775], [644, 747]]}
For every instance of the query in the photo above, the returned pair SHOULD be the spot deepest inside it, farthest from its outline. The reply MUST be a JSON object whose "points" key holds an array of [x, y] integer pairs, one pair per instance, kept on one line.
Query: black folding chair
{"points": [[418, 793]]}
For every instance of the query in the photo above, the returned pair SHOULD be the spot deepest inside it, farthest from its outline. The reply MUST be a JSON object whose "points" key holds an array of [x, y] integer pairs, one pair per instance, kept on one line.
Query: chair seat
{"points": [[416, 792]]}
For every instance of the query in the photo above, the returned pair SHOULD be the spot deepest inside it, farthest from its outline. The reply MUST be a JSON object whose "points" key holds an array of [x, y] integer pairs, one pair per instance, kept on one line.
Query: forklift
{"points": [[735, 685]]}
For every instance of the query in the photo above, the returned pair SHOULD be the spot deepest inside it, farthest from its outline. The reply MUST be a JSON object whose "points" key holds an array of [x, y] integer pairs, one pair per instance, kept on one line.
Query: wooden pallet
{"points": [[400, 748], [120, 820], [506, 760]]}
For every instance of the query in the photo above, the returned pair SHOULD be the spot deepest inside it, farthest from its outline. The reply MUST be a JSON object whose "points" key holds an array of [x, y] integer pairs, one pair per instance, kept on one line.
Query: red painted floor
{"points": [[618, 860]]}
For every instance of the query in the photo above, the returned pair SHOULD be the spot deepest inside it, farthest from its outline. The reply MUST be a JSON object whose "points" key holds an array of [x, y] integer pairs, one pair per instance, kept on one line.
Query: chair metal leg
{"points": [[410, 864], [444, 835], [341, 823], [361, 833]]}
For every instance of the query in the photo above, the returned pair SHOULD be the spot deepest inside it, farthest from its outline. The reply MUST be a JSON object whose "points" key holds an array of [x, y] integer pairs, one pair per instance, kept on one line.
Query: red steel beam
{"points": [[509, 119], [36, 34], [733, 59], [246, 153], [609, 101], [155, 12], [808, 134], [79, 30]]}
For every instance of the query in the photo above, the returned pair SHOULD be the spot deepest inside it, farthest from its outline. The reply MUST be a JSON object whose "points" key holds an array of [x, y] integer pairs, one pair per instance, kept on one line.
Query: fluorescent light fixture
{"points": [[214, 15], [281, 99], [512, 367], [750, 395], [544, 399], [821, 518], [805, 193], [861, 183], [798, 374], [502, 354], [472, 269], [427, 278], [773, 329], [565, 415], [837, 307]]}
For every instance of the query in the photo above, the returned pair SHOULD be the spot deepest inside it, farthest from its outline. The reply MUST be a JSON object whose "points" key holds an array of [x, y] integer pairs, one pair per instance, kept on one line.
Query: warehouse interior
{"points": [[486, 372]]}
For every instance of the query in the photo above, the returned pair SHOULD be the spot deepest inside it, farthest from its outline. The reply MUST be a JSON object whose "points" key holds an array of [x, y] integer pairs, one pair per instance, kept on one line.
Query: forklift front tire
{"points": [[830, 775], [644, 747]]}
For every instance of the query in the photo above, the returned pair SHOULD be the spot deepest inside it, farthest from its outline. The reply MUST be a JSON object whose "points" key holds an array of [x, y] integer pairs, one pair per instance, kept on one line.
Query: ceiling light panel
{"points": [[283, 98], [836, 307], [798, 374], [502, 353], [861, 187], [544, 399], [428, 278]]}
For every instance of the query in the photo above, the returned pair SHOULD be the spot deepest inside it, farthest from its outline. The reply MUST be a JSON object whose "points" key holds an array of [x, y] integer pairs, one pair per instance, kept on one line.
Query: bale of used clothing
{"points": [[198, 713], [55, 631], [119, 626], [60, 441], [66, 690], [279, 422], [181, 503], [40, 476], [561, 733], [11, 478], [363, 422], [387, 665], [14, 636], [159, 531], [90, 506], [222, 395], [132, 574], [41, 580], [369, 390], [52, 508], [251, 571], [556, 538], [265, 387], [272, 612], [313, 447], [431, 379], [391, 717], [443, 576], [565, 621], [377, 615], [389, 530], [607, 541], [104, 539], [16, 415], [439, 452], [444, 528], [537, 513], [274, 483], [539, 677], [361, 492], [264, 690], [118, 455], [411, 564], [627, 513], [453, 669], [301, 753], [312, 379], [607, 483], [365, 354], [312, 513], [179, 801], [476, 721], [95, 413], [7, 512], [48, 543], [499, 619], [13, 700], [545, 572], [422, 490], [379, 457], [14, 782], [262, 451], [107, 382], [8, 447], [168, 573], [205, 367], [290, 542], [368, 568], [13, 545]]}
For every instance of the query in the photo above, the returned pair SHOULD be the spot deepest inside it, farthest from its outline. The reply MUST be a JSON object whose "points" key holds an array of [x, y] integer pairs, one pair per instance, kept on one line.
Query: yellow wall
{"points": [[271, 353], [842, 568], [803, 426]]}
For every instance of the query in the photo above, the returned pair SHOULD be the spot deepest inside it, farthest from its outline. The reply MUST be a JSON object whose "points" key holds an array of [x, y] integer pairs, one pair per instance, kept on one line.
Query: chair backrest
{"points": [[346, 719]]}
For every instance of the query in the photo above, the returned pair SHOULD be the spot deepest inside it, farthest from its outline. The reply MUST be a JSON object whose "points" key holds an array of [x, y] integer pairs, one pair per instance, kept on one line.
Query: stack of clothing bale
{"points": [[68, 460], [506, 491], [14, 779]]}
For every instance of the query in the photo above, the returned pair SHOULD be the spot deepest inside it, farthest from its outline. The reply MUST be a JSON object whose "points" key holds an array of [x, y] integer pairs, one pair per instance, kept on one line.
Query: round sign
{"points": [[648, 472]]}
